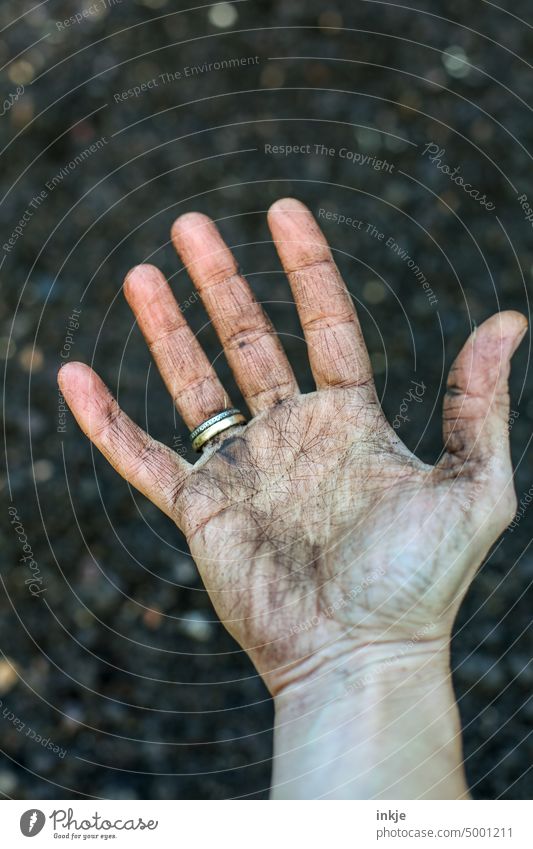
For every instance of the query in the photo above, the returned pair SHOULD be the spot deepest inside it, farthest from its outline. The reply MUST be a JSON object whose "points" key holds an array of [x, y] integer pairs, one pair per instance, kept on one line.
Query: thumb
{"points": [[476, 404]]}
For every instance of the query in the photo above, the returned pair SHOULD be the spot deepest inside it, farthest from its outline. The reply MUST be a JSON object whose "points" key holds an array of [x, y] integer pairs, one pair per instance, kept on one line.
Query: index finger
{"points": [[337, 350]]}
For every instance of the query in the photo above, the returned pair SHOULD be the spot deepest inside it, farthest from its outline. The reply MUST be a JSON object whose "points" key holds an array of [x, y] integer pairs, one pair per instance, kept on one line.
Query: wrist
{"points": [[341, 670], [380, 722]]}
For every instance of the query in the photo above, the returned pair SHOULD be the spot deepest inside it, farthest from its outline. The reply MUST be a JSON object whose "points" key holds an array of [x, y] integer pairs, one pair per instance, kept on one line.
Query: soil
{"points": [[116, 679]]}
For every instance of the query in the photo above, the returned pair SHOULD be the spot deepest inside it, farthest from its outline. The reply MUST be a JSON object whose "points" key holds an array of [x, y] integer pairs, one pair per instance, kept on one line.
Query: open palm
{"points": [[315, 529]]}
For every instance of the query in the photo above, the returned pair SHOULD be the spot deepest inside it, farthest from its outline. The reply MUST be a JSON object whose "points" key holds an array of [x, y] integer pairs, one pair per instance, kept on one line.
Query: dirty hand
{"points": [[325, 545]]}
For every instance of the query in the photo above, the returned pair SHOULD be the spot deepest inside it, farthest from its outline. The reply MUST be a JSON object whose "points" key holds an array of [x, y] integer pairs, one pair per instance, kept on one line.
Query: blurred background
{"points": [[116, 680]]}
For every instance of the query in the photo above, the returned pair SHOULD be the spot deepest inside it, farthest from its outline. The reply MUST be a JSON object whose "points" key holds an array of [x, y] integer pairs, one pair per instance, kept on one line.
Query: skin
{"points": [[334, 557]]}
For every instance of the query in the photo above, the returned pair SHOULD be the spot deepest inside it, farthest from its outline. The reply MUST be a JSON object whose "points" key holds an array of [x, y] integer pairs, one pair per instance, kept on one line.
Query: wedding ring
{"points": [[215, 425]]}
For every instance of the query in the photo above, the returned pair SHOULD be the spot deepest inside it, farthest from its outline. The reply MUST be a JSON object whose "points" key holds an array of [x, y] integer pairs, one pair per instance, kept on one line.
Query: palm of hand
{"points": [[315, 530]]}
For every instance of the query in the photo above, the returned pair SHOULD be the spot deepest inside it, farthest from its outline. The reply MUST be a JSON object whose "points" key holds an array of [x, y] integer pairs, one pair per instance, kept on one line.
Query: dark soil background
{"points": [[119, 661]]}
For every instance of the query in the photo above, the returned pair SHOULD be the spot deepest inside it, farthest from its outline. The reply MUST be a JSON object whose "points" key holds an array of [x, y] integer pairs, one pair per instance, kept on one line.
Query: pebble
{"points": [[31, 359], [152, 618], [8, 676], [43, 470], [115, 791], [521, 669], [195, 625], [8, 782], [483, 672], [185, 572], [223, 15]]}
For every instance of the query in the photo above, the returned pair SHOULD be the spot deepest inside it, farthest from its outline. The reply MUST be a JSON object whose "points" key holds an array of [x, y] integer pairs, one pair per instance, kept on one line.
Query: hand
{"points": [[324, 543]]}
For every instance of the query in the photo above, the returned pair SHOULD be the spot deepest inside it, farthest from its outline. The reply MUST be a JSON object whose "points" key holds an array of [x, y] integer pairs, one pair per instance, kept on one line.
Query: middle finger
{"points": [[250, 343]]}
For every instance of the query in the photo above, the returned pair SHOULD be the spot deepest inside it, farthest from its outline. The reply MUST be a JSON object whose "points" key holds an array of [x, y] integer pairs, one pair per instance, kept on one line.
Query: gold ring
{"points": [[206, 431]]}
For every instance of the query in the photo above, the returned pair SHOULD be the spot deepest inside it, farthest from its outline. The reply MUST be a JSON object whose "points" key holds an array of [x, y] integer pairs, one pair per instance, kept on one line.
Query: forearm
{"points": [[385, 728]]}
